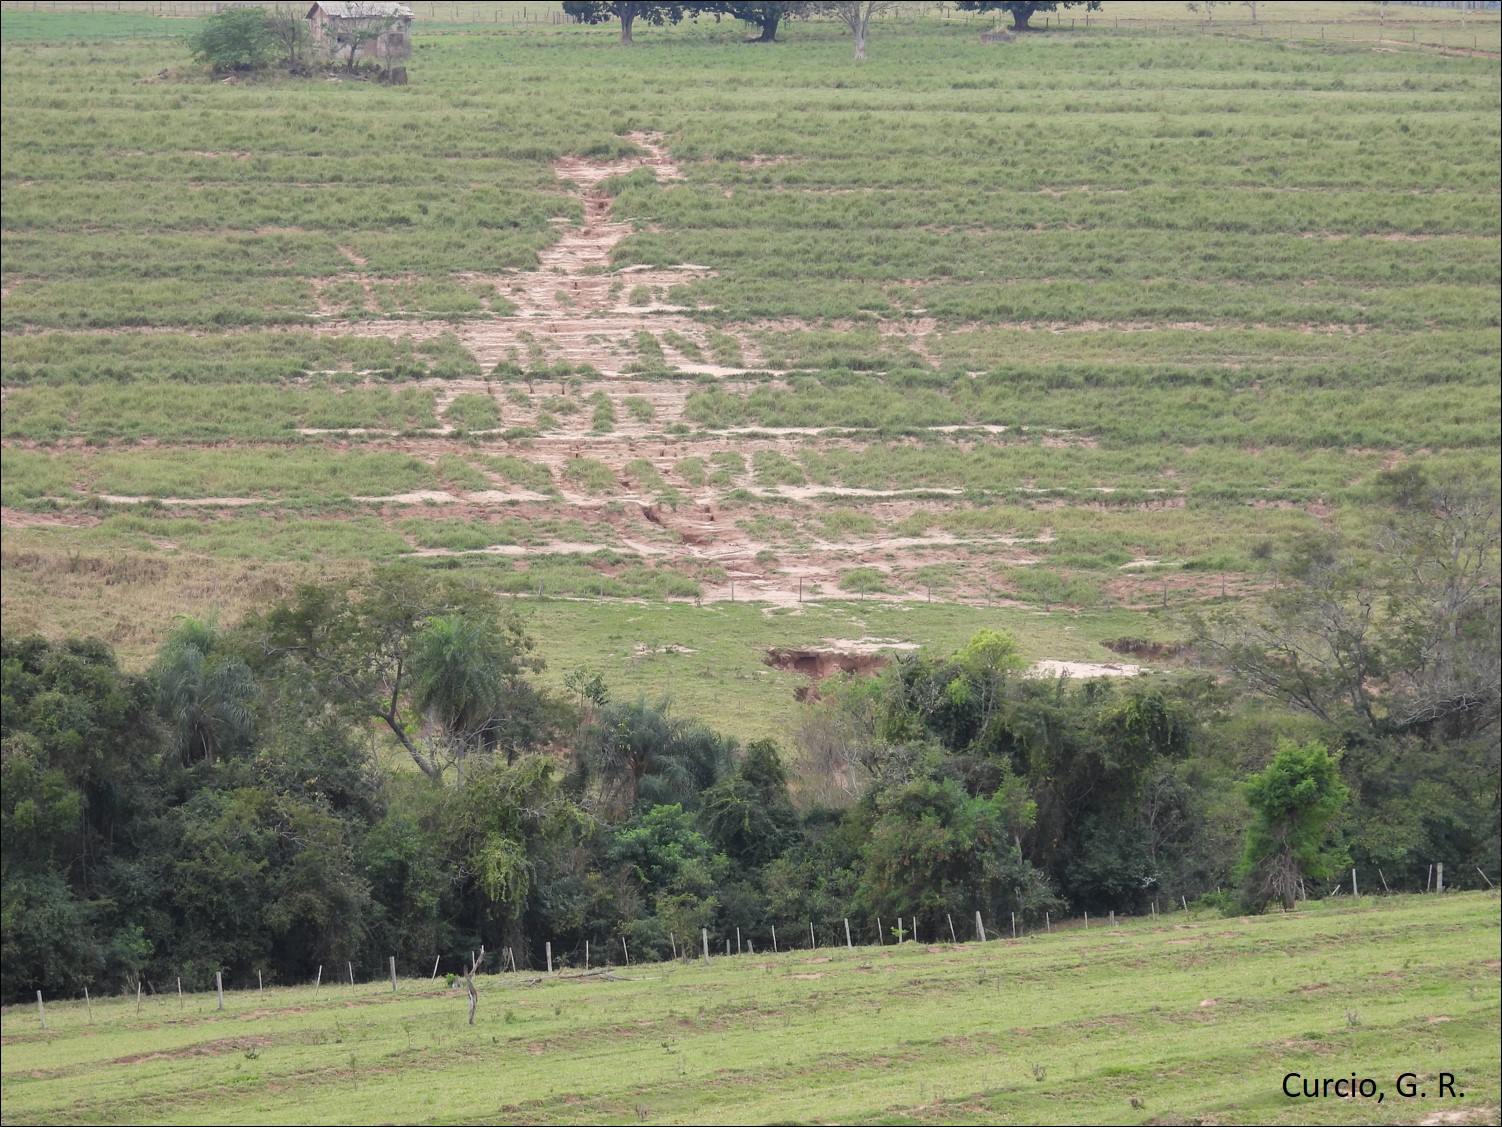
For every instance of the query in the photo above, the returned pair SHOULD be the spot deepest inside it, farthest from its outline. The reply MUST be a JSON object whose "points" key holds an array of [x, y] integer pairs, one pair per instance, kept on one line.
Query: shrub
{"points": [[236, 39]]}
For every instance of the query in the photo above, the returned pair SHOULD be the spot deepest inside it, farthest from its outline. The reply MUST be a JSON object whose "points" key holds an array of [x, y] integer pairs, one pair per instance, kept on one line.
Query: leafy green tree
{"points": [[1023, 11], [80, 781], [766, 15], [234, 39], [748, 814], [508, 831], [1295, 802], [436, 661], [628, 12], [934, 850], [676, 871]]}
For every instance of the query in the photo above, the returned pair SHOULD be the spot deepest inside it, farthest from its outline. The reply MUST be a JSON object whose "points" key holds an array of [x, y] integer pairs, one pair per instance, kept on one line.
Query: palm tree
{"points": [[207, 698], [635, 752]]}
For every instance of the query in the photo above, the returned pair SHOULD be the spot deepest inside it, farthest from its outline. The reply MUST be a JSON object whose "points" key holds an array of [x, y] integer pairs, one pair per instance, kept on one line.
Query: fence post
{"points": [[704, 937], [1439, 878], [848, 946], [774, 939], [548, 946], [41, 1012], [436, 960], [219, 987], [980, 927], [1355, 890]]}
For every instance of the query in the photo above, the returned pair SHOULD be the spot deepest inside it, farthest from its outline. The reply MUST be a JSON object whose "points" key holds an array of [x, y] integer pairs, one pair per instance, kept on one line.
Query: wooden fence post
{"points": [[548, 947], [704, 938], [1439, 878], [848, 946], [90, 1004], [219, 987], [436, 960], [980, 927], [41, 1012], [774, 939], [950, 917], [1355, 890]]}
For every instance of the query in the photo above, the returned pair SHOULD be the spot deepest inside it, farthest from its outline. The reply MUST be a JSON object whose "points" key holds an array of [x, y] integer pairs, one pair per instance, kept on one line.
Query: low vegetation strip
{"points": [[1173, 1020]]}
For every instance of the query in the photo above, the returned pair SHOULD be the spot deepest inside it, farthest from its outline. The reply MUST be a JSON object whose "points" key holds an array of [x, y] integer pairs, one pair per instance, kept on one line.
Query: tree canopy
{"points": [[1022, 11], [235, 39]]}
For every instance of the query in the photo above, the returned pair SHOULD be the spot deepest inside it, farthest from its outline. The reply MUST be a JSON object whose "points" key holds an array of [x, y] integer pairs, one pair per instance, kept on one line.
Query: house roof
{"points": [[362, 9]]}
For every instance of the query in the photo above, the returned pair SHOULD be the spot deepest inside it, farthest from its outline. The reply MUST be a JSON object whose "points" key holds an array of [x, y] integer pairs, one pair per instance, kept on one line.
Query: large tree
{"points": [[763, 14], [1399, 638], [628, 12], [437, 662], [1022, 11]]}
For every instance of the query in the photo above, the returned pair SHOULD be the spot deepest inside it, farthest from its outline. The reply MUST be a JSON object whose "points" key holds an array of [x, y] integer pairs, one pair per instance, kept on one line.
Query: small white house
{"points": [[362, 29]]}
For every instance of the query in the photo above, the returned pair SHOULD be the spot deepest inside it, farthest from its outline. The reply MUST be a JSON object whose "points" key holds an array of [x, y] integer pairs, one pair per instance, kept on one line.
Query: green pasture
{"points": [[1212, 277], [1186, 1017]]}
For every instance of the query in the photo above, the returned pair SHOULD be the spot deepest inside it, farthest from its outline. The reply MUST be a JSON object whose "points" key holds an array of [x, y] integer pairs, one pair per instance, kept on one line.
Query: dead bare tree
{"points": [[856, 15], [469, 984]]}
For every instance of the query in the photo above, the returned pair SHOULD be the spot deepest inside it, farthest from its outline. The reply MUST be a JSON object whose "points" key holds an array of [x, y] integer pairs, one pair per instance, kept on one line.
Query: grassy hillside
{"points": [[1160, 1022], [1093, 320]]}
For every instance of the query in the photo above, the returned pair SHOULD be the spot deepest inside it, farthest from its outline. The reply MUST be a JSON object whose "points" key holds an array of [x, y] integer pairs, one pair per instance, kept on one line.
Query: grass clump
{"points": [[589, 475], [473, 411]]}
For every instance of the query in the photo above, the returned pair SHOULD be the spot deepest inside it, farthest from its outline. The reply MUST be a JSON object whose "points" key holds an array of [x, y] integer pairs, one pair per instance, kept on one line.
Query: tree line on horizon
{"points": [[248, 38], [230, 808]]}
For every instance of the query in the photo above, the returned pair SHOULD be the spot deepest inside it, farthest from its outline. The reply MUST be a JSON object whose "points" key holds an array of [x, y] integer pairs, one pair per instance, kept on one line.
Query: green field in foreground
{"points": [[1193, 1018]]}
